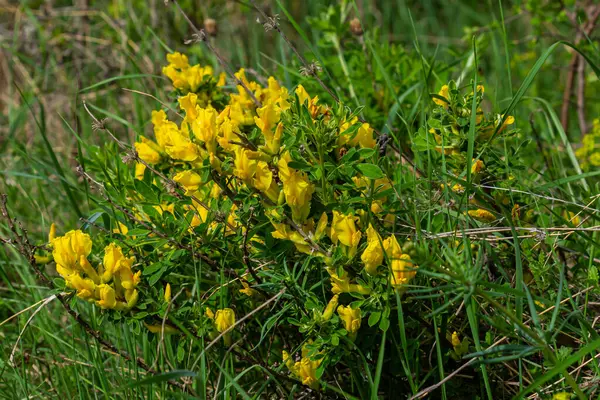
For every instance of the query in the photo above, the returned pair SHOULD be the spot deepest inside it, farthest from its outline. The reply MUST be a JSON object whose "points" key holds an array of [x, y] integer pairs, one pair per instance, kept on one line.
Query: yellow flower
{"points": [[148, 150], [178, 60], [477, 166], [182, 75], [203, 121], [283, 231], [572, 218], [330, 309], [215, 191], [372, 257], [363, 136], [482, 215], [223, 319], [445, 93], [403, 270], [313, 108], [190, 180], [52, 233], [121, 228], [188, 103], [305, 369], [456, 188], [107, 296], [262, 177], [343, 229], [222, 79], [302, 94], [307, 372], [297, 189], [455, 339], [164, 207], [179, 147], [86, 288], [85, 266], [244, 166], [247, 290], [115, 262], [351, 317], [340, 285], [274, 94], [209, 313], [139, 171], [167, 293], [508, 121], [268, 117], [176, 142], [68, 250], [392, 247], [321, 227], [561, 396], [516, 212], [132, 295], [343, 285], [227, 133]]}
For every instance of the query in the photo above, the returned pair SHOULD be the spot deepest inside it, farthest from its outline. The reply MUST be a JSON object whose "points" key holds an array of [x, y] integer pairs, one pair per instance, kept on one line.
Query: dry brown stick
{"points": [[576, 65], [564, 112], [581, 96], [27, 250]]}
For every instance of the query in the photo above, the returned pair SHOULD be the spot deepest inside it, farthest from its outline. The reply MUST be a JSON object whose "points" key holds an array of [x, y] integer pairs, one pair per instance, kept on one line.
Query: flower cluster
{"points": [[111, 285]]}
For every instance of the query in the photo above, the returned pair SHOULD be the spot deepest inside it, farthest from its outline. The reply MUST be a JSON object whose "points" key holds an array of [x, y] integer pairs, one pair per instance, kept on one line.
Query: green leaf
{"points": [[384, 324], [374, 318], [366, 153], [299, 165], [371, 171], [119, 78], [153, 268]]}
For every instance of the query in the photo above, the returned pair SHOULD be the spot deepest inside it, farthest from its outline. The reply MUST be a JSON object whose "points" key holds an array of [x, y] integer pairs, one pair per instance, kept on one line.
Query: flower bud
{"points": [[168, 293]]}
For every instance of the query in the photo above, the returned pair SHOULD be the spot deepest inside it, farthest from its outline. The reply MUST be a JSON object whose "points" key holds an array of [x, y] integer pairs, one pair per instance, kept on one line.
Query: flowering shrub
{"points": [[278, 190]]}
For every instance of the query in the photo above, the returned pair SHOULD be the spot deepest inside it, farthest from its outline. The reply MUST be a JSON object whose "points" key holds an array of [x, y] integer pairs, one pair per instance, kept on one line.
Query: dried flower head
{"points": [[197, 37], [311, 69], [356, 27], [99, 125], [271, 23], [129, 157]]}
